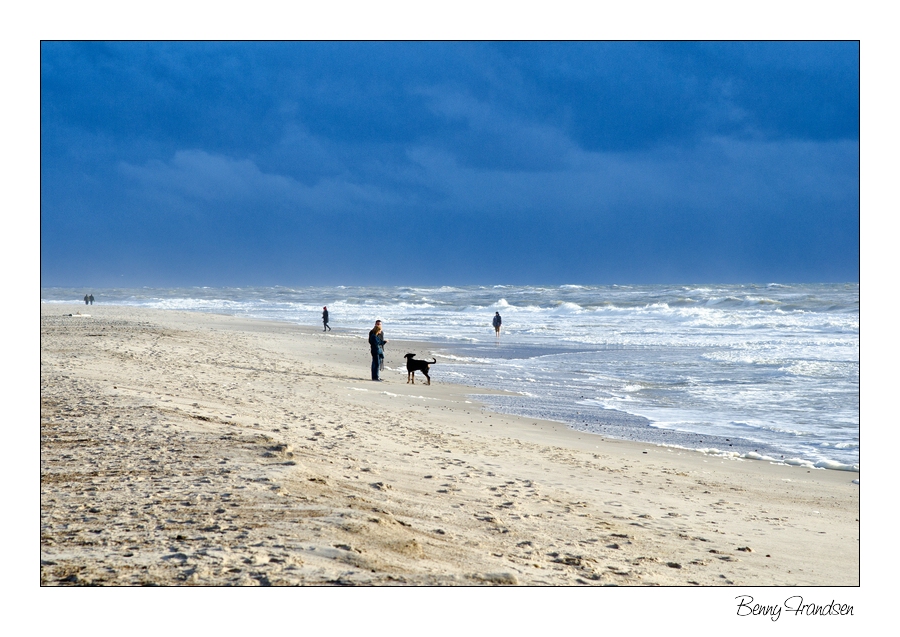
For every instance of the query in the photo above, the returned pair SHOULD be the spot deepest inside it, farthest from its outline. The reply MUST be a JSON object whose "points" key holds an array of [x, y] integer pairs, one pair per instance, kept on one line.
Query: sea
{"points": [[765, 372]]}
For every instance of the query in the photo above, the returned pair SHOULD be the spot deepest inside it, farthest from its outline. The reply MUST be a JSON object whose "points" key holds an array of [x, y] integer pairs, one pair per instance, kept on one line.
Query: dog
{"points": [[413, 366]]}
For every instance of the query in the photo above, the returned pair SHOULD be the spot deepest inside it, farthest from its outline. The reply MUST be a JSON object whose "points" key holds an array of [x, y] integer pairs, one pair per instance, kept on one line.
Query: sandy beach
{"points": [[197, 449]]}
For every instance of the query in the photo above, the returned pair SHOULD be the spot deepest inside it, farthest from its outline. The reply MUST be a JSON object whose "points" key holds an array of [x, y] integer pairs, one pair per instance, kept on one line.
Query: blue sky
{"points": [[311, 163]]}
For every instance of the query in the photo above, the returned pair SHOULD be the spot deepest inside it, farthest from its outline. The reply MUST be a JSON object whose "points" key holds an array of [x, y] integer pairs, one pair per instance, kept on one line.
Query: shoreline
{"points": [[616, 421], [379, 484]]}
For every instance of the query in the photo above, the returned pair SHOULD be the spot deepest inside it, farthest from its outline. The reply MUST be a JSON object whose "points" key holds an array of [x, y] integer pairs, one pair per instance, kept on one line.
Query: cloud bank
{"points": [[307, 163]]}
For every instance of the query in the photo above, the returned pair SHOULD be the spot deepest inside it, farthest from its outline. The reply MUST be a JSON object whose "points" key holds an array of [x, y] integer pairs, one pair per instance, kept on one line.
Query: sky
{"points": [[448, 163]]}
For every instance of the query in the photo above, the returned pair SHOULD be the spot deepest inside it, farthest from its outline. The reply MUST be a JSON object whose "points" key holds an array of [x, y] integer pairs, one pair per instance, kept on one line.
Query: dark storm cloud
{"points": [[689, 157]]}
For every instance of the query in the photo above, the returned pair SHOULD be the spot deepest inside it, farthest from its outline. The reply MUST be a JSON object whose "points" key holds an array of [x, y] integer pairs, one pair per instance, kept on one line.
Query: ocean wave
{"points": [[821, 464], [716, 300], [724, 453], [840, 445], [563, 307], [749, 301]]}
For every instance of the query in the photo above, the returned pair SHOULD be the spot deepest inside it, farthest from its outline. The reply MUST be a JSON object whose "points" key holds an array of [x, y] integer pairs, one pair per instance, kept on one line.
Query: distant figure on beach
{"points": [[85, 299], [91, 299], [376, 344], [497, 322], [325, 319]]}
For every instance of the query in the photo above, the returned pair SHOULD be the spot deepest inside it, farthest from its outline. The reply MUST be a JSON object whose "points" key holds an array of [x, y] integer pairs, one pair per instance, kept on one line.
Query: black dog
{"points": [[413, 366]]}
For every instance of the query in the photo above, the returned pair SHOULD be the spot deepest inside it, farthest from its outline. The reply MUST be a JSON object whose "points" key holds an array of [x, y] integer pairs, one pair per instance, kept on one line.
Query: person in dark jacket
{"points": [[376, 345], [85, 299], [497, 322], [325, 319], [91, 299]]}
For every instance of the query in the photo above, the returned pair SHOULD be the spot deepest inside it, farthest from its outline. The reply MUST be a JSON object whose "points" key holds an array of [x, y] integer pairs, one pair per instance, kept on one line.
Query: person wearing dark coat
{"points": [[325, 319], [497, 322], [376, 345]]}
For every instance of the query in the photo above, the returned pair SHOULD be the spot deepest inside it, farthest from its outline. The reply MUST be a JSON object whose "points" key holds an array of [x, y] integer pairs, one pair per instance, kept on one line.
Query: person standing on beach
{"points": [[325, 319], [376, 344], [85, 299], [91, 299], [381, 341], [497, 323]]}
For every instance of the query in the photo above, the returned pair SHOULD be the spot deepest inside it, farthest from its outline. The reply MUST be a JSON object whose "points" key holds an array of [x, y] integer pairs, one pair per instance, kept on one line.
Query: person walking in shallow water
{"points": [[376, 345], [325, 319], [497, 323]]}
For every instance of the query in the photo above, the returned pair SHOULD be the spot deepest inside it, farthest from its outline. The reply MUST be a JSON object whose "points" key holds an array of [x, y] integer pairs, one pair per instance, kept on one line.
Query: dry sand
{"points": [[186, 448]]}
